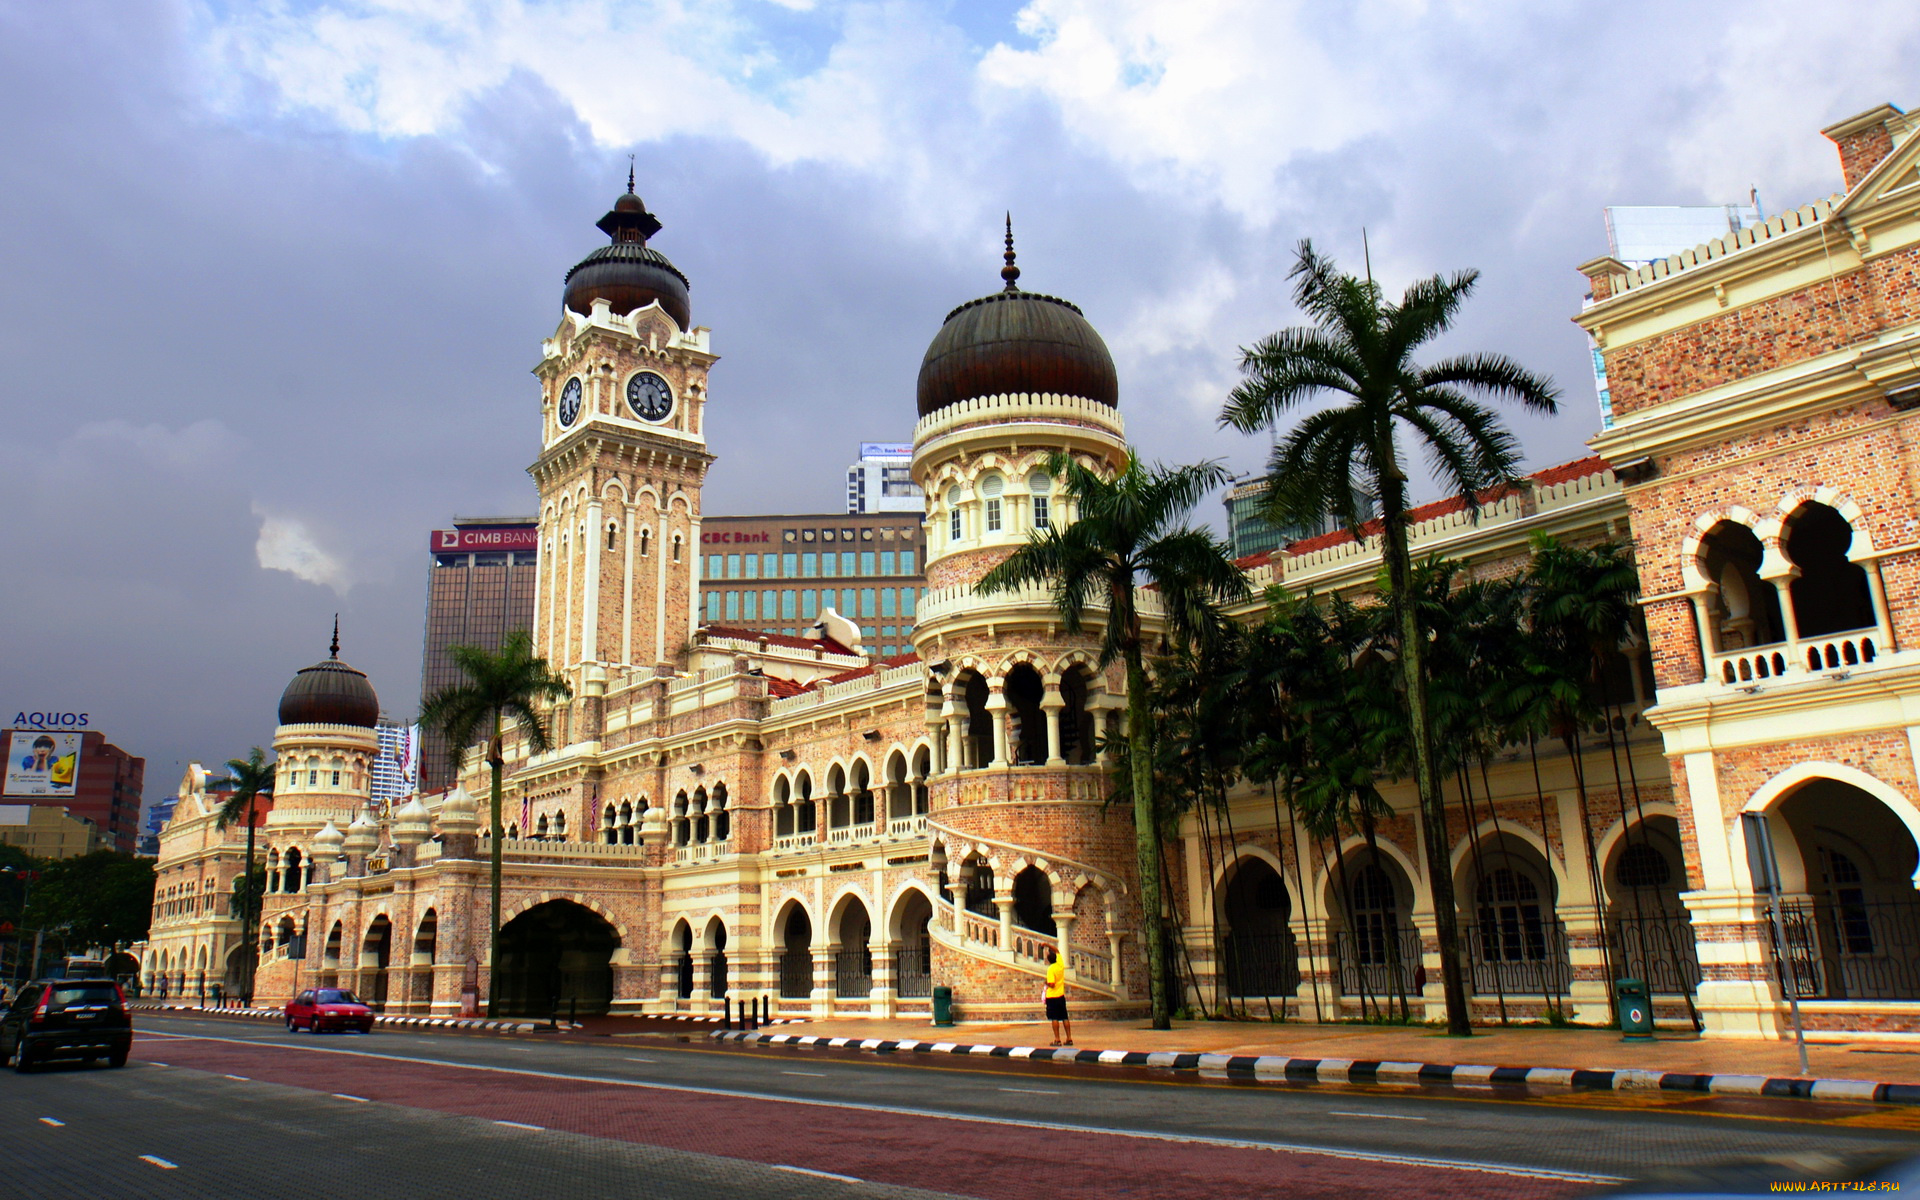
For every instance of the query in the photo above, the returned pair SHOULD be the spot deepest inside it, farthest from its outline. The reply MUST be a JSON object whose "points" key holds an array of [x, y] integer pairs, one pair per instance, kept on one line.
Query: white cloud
{"points": [[287, 544]]}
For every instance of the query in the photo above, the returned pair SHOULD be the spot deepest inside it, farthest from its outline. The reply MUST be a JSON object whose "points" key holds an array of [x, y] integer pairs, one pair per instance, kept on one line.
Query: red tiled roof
{"points": [[780, 688], [779, 639], [1593, 464]]}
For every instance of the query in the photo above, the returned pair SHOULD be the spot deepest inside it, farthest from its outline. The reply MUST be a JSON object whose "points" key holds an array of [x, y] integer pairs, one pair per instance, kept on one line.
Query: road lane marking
{"points": [[520, 1125], [241, 1078], [818, 1174], [162, 1163], [631, 1058], [813, 1074], [1374, 1116], [355, 1099], [1035, 1091], [1516, 1170], [52, 1122]]}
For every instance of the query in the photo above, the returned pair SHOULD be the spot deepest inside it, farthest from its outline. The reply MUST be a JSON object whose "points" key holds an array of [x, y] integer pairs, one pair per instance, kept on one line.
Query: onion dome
{"points": [[326, 843], [412, 824], [362, 836], [330, 693], [1014, 341], [628, 274], [457, 813]]}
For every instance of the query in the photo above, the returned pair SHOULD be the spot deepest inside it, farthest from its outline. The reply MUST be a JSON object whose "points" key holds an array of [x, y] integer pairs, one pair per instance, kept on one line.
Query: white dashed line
{"points": [[814, 1074], [241, 1078], [151, 1063], [355, 1099], [518, 1125], [819, 1174], [631, 1058], [162, 1163], [52, 1122], [1035, 1091], [1374, 1116]]}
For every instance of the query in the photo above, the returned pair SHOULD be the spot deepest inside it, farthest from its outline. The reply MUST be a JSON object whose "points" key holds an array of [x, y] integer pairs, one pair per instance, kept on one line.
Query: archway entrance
{"points": [[796, 955], [1851, 912], [375, 953], [556, 957], [913, 944], [1257, 953]]}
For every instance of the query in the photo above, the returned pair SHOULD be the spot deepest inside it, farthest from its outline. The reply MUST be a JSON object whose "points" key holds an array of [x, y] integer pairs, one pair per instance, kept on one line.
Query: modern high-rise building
{"points": [[1639, 234], [396, 769], [776, 574], [882, 481], [65, 766], [1250, 533], [479, 589]]}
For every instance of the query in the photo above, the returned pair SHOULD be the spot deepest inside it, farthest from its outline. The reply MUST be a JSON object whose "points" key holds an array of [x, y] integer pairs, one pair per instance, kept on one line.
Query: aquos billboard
{"points": [[41, 763]]}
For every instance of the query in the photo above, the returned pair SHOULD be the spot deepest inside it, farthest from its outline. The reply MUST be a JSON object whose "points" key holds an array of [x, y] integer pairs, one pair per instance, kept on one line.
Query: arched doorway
{"points": [[1516, 943], [716, 946], [1852, 914], [913, 946], [1027, 732], [376, 951], [1647, 925], [683, 961], [1257, 953], [426, 943], [796, 955], [556, 957], [853, 957]]}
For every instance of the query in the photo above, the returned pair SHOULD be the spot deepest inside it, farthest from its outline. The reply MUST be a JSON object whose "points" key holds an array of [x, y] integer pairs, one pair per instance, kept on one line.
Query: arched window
{"points": [[1643, 866], [676, 547], [1511, 923], [646, 541], [560, 827], [339, 765], [1040, 485], [1831, 595], [953, 513], [993, 487], [612, 529]]}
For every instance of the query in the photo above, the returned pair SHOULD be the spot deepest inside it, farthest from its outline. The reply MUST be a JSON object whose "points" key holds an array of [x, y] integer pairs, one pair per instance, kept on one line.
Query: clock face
{"points": [[570, 403], [649, 397]]}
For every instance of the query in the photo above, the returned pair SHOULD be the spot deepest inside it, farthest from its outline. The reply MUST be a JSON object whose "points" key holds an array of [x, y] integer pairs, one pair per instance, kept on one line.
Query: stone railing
{"points": [[795, 841], [976, 928], [907, 826], [530, 848], [844, 833], [878, 680], [962, 600], [1015, 406], [701, 852], [1797, 657]]}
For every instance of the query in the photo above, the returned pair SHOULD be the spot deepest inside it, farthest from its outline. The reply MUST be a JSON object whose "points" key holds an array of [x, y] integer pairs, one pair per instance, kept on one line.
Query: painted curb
{"points": [[1275, 1068], [274, 1014]]}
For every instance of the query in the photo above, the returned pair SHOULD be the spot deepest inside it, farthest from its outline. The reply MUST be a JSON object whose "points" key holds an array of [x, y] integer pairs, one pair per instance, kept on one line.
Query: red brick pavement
{"points": [[990, 1159]]}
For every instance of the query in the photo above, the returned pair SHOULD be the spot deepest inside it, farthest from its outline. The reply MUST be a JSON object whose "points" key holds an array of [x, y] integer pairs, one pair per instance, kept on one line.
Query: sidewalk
{"points": [[1526, 1047]]}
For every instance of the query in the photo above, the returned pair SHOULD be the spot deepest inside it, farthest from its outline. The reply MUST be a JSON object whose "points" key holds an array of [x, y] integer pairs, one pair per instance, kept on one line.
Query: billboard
{"points": [[886, 449], [41, 763], [487, 537]]}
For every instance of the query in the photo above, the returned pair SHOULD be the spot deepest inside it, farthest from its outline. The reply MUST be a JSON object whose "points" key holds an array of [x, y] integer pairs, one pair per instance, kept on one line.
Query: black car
{"points": [[77, 1019]]}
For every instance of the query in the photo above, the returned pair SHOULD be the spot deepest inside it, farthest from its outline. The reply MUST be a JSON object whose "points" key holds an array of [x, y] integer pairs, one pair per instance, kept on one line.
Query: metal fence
{"points": [[853, 973], [1378, 964], [1658, 949], [796, 974], [1260, 964], [1847, 947], [1517, 957], [913, 972]]}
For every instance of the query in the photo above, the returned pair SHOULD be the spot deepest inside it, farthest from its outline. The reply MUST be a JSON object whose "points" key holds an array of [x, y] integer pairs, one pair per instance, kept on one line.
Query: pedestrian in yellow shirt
{"points": [[1055, 997]]}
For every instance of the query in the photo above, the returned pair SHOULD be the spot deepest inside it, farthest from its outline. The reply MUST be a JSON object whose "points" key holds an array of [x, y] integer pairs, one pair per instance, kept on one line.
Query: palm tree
{"points": [[1360, 348], [1131, 531], [247, 780], [502, 689]]}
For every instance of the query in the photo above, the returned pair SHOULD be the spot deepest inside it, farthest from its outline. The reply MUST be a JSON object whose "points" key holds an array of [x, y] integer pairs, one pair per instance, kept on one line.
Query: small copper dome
{"points": [[330, 693], [627, 273], [1015, 341]]}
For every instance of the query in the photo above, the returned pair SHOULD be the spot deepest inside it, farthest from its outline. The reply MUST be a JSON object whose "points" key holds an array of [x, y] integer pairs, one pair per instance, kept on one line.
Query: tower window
{"points": [[645, 537], [953, 525], [676, 547], [611, 530], [993, 515], [1042, 514]]}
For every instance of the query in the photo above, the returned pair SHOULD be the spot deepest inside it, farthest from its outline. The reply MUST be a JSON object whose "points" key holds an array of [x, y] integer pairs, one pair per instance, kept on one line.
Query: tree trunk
{"points": [[493, 878], [248, 913], [1433, 813], [1146, 833]]}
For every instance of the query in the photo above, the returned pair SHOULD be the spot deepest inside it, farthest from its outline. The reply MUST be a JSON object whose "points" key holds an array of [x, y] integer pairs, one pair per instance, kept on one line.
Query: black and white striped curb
{"points": [[734, 1020], [275, 1014], [1278, 1069]]}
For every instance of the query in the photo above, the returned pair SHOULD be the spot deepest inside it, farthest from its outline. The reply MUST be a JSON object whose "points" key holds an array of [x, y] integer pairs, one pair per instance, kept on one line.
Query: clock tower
{"points": [[623, 389]]}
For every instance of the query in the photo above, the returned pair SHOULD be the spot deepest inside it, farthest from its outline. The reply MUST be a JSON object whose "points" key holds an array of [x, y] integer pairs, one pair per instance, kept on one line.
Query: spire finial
{"points": [[1010, 272], [629, 174], [333, 651]]}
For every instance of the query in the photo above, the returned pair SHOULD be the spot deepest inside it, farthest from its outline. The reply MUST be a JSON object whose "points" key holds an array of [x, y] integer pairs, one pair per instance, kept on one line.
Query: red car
{"points": [[328, 1008]]}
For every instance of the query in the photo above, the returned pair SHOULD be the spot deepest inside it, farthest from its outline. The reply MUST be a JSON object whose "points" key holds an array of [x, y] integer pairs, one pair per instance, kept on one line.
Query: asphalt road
{"points": [[217, 1108]]}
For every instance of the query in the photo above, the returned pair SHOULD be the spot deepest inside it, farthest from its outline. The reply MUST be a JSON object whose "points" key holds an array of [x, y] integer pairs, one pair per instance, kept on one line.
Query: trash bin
{"points": [[943, 1006], [1636, 1009]]}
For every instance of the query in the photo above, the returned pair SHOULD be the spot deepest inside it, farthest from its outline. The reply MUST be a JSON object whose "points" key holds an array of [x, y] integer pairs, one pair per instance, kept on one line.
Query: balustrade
{"points": [[1797, 656]]}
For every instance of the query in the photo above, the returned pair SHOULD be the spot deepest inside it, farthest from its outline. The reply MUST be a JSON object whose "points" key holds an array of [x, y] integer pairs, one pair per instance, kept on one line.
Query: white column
{"points": [[663, 555], [626, 591], [997, 713], [590, 601], [571, 537], [693, 548], [1051, 703]]}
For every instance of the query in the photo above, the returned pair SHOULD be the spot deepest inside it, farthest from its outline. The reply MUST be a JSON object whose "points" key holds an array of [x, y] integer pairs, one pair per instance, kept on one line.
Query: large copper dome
{"points": [[629, 274], [330, 693], [1015, 341]]}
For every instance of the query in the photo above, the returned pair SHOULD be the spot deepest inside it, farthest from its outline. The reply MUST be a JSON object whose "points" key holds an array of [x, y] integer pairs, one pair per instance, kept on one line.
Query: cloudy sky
{"points": [[272, 275]]}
